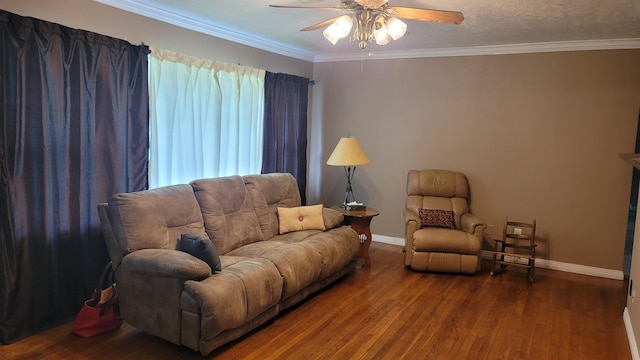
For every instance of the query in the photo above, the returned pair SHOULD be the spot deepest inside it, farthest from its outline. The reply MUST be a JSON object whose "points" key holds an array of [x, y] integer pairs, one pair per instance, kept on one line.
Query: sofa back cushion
{"points": [[268, 192], [227, 211], [154, 219]]}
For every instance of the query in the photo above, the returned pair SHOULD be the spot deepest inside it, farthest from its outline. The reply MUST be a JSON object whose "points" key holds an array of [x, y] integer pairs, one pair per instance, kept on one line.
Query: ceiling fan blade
{"points": [[373, 4], [320, 24], [442, 16]]}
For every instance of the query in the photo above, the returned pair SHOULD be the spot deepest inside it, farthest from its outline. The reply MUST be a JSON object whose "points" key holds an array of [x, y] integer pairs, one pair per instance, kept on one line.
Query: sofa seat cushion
{"points": [[304, 257], [445, 241], [298, 265], [262, 247], [245, 288], [259, 248], [255, 250], [337, 247]]}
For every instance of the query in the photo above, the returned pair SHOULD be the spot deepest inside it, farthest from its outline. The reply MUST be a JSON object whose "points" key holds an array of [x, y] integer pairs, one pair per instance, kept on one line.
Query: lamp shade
{"points": [[348, 152]]}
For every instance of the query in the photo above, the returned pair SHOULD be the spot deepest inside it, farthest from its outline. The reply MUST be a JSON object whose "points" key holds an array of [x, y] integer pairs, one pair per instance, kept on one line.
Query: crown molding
{"points": [[608, 44], [209, 29], [286, 50]]}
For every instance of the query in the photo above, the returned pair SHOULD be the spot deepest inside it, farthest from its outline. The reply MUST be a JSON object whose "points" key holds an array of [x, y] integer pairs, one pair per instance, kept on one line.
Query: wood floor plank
{"points": [[389, 312]]}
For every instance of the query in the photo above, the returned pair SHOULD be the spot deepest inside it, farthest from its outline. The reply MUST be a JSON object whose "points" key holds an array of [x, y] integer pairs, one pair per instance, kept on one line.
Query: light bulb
{"points": [[396, 28], [382, 36], [330, 36], [338, 29]]}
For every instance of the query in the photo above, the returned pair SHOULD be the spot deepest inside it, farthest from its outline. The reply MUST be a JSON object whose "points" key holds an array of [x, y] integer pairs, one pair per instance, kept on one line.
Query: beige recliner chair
{"points": [[441, 235]]}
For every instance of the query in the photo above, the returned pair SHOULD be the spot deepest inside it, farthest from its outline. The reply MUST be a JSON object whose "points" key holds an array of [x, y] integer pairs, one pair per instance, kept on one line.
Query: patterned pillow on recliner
{"points": [[437, 218]]}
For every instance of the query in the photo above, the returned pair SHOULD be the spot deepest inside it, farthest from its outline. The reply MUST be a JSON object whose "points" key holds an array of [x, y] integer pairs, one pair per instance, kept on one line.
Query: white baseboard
{"points": [[542, 263], [387, 240], [572, 268], [635, 355]]}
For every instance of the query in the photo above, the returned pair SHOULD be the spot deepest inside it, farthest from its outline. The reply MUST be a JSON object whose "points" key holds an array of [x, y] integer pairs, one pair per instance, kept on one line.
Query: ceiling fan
{"points": [[373, 20]]}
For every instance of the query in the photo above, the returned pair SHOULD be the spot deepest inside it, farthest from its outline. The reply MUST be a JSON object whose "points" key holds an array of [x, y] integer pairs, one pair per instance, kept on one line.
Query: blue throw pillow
{"points": [[202, 248]]}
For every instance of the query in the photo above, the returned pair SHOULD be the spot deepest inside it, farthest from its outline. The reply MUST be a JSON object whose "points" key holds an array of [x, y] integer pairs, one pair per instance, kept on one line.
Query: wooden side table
{"points": [[360, 221]]}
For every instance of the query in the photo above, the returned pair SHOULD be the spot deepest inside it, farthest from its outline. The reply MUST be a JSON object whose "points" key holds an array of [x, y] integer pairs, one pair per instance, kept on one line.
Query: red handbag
{"points": [[100, 313]]}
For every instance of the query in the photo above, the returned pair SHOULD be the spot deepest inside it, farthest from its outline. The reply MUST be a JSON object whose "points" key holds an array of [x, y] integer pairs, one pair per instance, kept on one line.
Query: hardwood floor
{"points": [[388, 312]]}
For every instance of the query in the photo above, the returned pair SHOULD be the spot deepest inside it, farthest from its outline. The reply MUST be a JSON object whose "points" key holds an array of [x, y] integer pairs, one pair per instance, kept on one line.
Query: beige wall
{"points": [[538, 136]]}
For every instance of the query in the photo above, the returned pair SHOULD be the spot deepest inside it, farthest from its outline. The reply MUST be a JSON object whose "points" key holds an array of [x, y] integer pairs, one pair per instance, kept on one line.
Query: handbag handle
{"points": [[106, 275], [106, 272]]}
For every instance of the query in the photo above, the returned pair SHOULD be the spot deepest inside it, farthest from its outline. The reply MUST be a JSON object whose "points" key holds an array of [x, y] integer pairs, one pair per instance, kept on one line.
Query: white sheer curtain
{"points": [[205, 118]]}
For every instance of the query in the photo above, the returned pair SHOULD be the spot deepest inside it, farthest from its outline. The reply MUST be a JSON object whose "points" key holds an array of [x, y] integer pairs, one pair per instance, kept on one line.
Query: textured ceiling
{"points": [[490, 25]]}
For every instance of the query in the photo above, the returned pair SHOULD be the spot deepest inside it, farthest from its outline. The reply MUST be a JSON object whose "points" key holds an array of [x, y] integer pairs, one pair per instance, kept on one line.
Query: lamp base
{"points": [[350, 203]]}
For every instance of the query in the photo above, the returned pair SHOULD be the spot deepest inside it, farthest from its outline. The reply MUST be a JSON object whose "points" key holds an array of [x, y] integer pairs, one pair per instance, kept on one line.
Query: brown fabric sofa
{"points": [[437, 248], [175, 296]]}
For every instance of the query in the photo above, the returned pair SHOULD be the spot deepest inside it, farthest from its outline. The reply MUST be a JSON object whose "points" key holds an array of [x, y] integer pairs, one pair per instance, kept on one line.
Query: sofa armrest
{"points": [[150, 284], [166, 263], [332, 218], [469, 223]]}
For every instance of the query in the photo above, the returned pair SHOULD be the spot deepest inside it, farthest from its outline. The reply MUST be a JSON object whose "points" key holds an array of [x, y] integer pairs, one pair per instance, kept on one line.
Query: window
{"points": [[205, 119]]}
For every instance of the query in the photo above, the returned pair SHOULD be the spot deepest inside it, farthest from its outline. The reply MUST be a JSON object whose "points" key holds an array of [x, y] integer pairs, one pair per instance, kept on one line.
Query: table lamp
{"points": [[349, 154]]}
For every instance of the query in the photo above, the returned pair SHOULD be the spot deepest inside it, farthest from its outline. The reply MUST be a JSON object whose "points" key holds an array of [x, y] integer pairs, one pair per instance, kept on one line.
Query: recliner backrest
{"points": [[440, 183]]}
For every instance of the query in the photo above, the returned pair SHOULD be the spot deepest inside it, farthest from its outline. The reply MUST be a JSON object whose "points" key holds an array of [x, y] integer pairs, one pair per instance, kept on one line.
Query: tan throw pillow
{"points": [[300, 218]]}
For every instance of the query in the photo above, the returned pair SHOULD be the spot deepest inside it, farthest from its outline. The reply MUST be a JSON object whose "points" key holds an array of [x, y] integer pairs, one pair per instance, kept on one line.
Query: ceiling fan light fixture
{"points": [[396, 28], [374, 20], [338, 29]]}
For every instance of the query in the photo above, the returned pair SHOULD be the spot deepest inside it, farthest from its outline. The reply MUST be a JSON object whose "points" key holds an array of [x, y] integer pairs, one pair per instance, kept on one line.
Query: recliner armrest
{"points": [[469, 222], [166, 263], [411, 216], [412, 223]]}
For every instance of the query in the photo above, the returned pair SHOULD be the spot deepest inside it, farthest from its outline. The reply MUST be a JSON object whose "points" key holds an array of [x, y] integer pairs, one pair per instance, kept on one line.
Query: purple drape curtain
{"points": [[285, 127], [74, 131]]}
